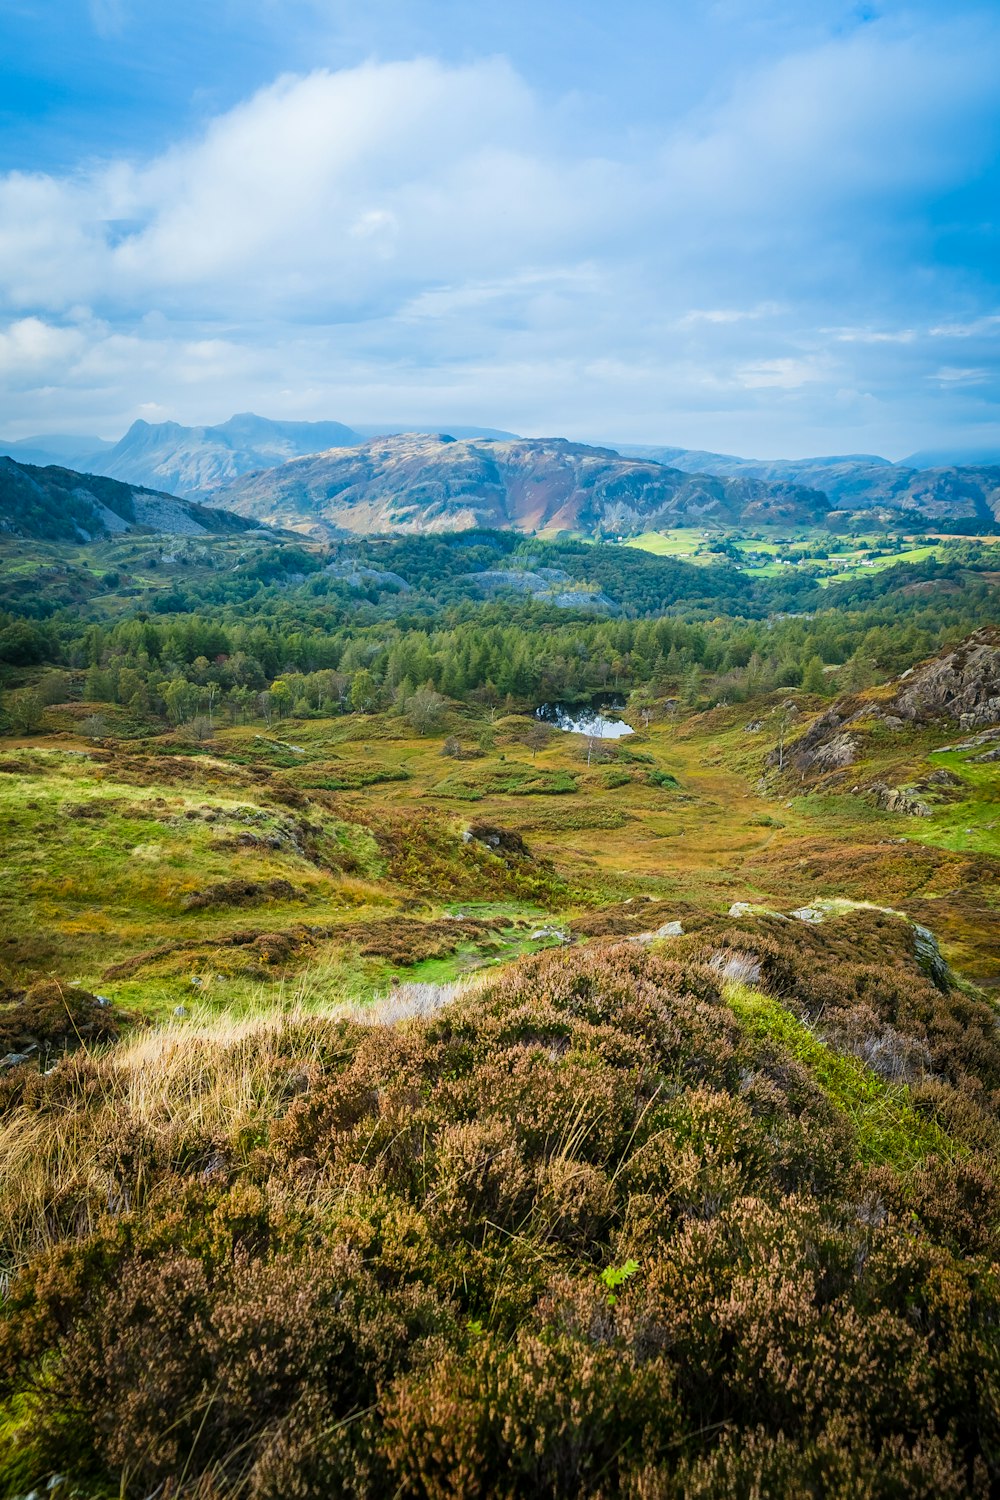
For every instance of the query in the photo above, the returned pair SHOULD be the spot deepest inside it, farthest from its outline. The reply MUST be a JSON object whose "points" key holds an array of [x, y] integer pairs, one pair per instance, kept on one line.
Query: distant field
{"points": [[684, 542], [769, 555]]}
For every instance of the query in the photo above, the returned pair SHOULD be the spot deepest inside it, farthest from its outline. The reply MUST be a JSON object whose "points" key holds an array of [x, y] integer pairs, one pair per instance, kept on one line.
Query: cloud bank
{"points": [[807, 261]]}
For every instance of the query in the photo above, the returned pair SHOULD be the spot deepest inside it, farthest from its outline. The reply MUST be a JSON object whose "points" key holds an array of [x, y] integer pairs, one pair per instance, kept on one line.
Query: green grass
{"points": [[509, 779], [770, 556], [888, 1127], [78, 894], [972, 824], [681, 542]]}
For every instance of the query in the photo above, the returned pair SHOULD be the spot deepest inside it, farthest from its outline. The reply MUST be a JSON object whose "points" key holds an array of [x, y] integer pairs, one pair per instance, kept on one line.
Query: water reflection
{"points": [[587, 718]]}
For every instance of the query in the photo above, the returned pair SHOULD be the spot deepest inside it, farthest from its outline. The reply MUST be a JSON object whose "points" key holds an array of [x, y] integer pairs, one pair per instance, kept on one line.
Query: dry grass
{"points": [[179, 1091]]}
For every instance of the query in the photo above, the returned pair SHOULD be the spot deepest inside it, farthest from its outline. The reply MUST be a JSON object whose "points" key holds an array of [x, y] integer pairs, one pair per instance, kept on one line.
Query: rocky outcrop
{"points": [[826, 745], [898, 799], [415, 482], [961, 684]]}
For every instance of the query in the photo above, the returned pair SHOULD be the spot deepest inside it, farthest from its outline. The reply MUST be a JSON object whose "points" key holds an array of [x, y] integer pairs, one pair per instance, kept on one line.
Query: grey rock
{"points": [[929, 956], [897, 799]]}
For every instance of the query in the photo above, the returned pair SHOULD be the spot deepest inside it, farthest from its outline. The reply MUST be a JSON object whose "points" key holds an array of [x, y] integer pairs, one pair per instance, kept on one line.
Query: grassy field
{"points": [[164, 874], [775, 551]]}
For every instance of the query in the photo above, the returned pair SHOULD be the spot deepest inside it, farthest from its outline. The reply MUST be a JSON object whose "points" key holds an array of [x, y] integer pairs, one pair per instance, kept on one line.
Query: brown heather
{"points": [[303, 1257]]}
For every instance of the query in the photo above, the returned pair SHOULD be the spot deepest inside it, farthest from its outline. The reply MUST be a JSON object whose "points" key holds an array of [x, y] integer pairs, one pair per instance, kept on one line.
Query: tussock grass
{"points": [[177, 1093]]}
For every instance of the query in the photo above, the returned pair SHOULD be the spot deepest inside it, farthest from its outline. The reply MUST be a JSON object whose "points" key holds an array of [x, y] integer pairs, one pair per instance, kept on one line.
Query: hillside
{"points": [[402, 1095], [499, 1125], [415, 482], [857, 481], [59, 505]]}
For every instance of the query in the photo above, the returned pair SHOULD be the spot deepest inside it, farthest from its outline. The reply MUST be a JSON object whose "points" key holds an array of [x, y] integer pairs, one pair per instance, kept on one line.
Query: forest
{"points": [[308, 632]]}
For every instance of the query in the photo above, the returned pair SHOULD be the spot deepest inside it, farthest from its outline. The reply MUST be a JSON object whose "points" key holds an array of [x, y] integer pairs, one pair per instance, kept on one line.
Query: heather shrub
{"points": [[51, 1014], [609, 1224]]}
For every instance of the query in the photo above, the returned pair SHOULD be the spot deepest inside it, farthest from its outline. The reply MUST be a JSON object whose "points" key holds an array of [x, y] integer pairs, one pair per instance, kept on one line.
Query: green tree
{"points": [[179, 697], [813, 676], [24, 709], [691, 691], [364, 692], [425, 709], [281, 697]]}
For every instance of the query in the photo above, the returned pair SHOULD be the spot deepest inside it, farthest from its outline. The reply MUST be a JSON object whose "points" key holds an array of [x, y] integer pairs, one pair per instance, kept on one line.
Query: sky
{"points": [[768, 227]]}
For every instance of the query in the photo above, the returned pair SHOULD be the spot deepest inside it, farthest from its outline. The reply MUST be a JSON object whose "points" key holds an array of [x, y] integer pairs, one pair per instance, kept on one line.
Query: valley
{"points": [[315, 830], [499, 937]]}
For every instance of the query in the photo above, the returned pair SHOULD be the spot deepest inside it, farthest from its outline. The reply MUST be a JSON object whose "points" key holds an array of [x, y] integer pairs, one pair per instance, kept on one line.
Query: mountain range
{"points": [[422, 482], [194, 461], [325, 475], [857, 481]]}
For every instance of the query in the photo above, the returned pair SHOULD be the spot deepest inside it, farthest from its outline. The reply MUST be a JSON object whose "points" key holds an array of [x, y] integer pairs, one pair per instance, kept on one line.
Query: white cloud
{"points": [[783, 374], [439, 241], [32, 350], [974, 329], [954, 375]]}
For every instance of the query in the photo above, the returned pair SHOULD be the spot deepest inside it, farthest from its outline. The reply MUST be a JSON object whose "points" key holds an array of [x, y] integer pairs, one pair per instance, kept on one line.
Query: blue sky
{"points": [[768, 228]]}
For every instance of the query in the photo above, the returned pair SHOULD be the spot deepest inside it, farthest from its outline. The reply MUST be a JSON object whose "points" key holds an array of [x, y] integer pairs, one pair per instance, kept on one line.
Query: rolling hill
{"points": [[416, 482]]}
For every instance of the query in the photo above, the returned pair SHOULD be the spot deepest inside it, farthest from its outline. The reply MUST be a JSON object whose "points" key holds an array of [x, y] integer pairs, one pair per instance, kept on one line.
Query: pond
{"points": [[590, 718]]}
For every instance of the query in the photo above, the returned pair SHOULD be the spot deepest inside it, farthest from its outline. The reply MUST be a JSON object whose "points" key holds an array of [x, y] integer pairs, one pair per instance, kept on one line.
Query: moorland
{"points": [[405, 1097]]}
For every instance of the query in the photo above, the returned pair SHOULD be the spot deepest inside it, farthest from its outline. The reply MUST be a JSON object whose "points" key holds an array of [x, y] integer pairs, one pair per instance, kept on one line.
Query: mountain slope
{"points": [[856, 481], [59, 505], [415, 482], [194, 460]]}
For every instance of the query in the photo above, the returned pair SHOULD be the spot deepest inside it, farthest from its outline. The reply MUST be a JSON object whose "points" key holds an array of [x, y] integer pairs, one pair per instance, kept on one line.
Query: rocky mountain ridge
{"points": [[420, 482], [194, 461]]}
